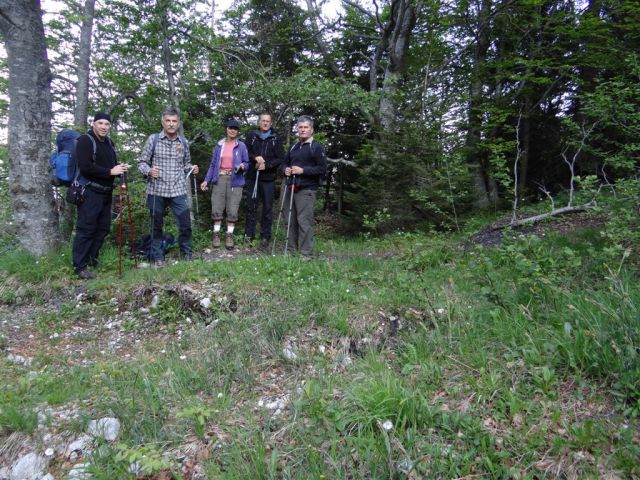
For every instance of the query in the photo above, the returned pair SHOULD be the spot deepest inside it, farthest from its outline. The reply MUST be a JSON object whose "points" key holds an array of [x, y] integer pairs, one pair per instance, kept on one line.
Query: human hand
{"points": [[154, 172], [119, 169], [203, 186]]}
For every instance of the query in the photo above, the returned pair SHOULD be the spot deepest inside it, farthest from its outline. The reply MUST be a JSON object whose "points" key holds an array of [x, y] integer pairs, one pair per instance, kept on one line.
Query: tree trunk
{"points": [[403, 20], [84, 66], [29, 125], [166, 54], [481, 183]]}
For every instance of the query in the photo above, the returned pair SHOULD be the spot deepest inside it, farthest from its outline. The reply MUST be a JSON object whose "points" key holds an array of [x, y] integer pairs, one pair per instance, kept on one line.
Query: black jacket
{"points": [[98, 171], [311, 157], [270, 149]]}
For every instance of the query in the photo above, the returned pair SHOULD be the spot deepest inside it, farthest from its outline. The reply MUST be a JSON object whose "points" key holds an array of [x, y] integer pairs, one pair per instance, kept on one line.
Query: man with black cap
{"points": [[165, 161], [98, 167], [266, 154]]}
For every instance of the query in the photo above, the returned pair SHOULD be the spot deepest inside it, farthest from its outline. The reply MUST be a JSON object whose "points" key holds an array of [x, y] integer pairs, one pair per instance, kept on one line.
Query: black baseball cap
{"points": [[232, 123]]}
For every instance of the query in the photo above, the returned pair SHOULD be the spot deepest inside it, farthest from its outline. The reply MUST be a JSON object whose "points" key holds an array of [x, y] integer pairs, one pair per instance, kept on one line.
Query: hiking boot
{"points": [[229, 241], [215, 243], [86, 274], [264, 244], [158, 263]]}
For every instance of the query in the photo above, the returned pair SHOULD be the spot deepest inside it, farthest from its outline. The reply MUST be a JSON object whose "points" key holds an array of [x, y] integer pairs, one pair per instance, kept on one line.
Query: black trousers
{"points": [[265, 192], [92, 226]]}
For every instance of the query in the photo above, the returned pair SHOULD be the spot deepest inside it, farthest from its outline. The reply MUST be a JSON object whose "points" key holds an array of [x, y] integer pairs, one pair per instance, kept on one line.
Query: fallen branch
{"points": [[554, 213]]}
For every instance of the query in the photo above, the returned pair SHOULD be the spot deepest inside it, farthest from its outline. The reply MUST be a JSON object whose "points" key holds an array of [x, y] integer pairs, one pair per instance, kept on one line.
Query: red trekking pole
{"points": [[129, 217]]}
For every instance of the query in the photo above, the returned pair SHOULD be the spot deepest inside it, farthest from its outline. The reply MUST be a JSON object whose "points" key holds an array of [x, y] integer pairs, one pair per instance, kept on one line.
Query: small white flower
{"points": [[388, 425], [183, 357]]}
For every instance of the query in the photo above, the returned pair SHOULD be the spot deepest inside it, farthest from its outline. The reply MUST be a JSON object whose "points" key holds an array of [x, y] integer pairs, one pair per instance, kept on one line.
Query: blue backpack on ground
{"points": [[143, 245], [63, 164]]}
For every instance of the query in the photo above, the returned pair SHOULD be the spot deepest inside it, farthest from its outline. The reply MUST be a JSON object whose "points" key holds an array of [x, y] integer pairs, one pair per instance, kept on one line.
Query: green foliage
{"points": [[200, 414], [17, 419], [623, 228], [147, 459], [409, 181]]}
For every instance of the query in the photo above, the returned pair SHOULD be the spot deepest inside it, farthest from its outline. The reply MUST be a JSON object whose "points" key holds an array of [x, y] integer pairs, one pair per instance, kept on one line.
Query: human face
{"points": [[305, 131], [171, 125], [232, 133], [101, 128], [264, 123]]}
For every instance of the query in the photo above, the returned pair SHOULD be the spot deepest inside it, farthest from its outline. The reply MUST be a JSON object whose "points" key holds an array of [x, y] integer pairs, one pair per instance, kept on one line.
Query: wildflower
{"points": [[387, 425]]}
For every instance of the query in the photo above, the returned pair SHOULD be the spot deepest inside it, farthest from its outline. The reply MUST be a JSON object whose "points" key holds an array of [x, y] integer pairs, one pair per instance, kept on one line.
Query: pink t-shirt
{"points": [[226, 158]]}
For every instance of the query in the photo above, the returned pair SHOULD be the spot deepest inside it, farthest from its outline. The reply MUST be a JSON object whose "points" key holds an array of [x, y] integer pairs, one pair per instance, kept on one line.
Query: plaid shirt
{"points": [[172, 160]]}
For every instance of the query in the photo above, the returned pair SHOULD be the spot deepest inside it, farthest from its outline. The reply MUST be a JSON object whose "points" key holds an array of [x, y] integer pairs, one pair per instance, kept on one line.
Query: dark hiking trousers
{"points": [[92, 226], [265, 197], [180, 210]]}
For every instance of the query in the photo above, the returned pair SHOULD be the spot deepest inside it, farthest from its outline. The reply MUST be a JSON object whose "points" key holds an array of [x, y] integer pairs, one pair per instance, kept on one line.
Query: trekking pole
{"points": [[255, 186], [120, 234], [152, 222], [195, 193], [130, 218], [284, 195], [286, 239]]}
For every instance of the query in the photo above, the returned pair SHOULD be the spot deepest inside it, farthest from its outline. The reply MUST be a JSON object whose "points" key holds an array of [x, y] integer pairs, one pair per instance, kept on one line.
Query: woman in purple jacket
{"points": [[229, 163]]}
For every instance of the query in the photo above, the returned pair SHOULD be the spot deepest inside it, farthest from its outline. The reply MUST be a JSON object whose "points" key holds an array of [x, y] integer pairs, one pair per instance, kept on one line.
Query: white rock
{"points": [[79, 472], [205, 302], [5, 472], [49, 452], [19, 359], [154, 301], [135, 468], [29, 467], [80, 445], [289, 354], [107, 428]]}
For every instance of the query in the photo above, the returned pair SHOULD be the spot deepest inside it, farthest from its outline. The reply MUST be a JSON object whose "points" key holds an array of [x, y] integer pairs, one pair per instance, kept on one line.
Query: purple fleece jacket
{"points": [[240, 156]]}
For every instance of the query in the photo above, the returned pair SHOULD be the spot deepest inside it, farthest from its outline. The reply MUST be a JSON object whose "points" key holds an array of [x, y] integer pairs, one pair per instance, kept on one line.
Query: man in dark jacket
{"points": [[98, 167], [305, 165], [266, 154]]}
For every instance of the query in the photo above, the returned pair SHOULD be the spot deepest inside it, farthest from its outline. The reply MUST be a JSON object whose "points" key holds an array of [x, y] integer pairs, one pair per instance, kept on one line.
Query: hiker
{"points": [[304, 165], [266, 154], [229, 163], [98, 165], [165, 161]]}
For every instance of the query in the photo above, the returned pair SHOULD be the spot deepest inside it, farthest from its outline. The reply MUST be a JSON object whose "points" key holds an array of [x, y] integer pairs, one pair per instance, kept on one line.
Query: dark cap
{"points": [[102, 116], [232, 123]]}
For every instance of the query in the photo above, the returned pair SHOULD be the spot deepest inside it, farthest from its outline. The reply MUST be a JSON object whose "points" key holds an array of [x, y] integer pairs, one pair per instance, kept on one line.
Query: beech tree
{"points": [[84, 66], [29, 125]]}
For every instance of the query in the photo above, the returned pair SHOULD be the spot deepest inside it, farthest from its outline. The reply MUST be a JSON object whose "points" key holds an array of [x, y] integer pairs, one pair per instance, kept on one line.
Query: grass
{"points": [[510, 362]]}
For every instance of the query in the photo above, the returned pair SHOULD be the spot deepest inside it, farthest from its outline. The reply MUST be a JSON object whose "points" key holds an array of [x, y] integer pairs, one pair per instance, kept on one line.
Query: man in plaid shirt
{"points": [[165, 162]]}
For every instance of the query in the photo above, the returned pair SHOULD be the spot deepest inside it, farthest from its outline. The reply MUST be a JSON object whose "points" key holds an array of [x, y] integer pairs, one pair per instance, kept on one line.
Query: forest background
{"points": [[434, 108]]}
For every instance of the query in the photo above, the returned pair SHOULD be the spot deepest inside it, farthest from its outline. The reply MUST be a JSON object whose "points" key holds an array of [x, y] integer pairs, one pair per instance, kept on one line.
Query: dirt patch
{"points": [[492, 235]]}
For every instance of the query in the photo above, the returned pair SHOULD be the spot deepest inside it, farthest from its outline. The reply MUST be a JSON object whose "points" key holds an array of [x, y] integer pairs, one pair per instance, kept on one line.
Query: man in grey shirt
{"points": [[165, 162]]}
